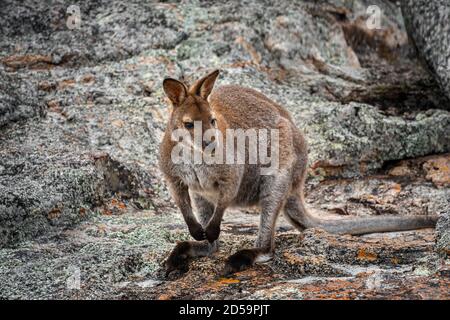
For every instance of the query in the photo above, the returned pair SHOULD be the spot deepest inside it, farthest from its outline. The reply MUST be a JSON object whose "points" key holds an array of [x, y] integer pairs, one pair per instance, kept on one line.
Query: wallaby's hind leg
{"points": [[295, 211], [271, 201], [187, 250]]}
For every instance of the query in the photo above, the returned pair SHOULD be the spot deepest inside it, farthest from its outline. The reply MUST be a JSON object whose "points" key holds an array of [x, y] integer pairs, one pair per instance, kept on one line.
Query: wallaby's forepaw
{"points": [[239, 261], [197, 232], [178, 258], [212, 232]]}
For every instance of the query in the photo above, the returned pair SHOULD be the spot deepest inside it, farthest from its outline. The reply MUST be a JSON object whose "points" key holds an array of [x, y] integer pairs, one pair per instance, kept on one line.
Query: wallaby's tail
{"points": [[302, 219]]}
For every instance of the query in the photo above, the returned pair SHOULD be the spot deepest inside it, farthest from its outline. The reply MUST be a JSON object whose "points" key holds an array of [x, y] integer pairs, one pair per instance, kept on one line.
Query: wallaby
{"points": [[212, 188]]}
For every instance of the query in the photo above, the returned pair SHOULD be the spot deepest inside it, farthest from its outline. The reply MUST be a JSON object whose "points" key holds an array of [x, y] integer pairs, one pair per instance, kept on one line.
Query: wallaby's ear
{"points": [[175, 90], [204, 86]]}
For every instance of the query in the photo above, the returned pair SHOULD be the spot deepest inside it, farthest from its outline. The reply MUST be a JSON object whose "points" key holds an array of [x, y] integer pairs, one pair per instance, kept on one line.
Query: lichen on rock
{"points": [[427, 25]]}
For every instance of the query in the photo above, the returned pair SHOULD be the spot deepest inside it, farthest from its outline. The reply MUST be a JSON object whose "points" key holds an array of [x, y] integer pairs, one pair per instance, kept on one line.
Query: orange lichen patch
{"points": [[54, 106], [106, 212], [401, 170], [87, 78], [82, 211], [438, 171], [65, 84], [31, 61], [46, 86], [326, 169], [54, 213], [228, 281], [118, 204], [396, 188], [365, 255], [223, 282], [395, 260], [292, 258]]}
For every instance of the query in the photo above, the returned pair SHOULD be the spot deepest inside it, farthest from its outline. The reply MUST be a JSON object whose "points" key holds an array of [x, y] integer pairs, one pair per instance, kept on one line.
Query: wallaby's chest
{"points": [[201, 180], [211, 182]]}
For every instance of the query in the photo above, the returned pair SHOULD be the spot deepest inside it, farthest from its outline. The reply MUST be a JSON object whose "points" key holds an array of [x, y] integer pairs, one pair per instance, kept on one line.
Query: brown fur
{"points": [[213, 188]]}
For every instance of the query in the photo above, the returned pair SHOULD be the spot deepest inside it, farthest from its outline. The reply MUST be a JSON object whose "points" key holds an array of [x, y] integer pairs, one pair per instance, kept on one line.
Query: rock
{"points": [[41, 196], [103, 27], [357, 138], [443, 235], [106, 251], [319, 253], [18, 100], [401, 170], [438, 171], [428, 27], [328, 84], [319, 266], [116, 254]]}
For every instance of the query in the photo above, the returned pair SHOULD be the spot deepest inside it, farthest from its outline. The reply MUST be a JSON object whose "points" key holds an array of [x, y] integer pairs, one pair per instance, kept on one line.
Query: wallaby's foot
{"points": [[212, 232], [179, 258], [185, 251], [246, 258], [241, 260], [197, 232]]}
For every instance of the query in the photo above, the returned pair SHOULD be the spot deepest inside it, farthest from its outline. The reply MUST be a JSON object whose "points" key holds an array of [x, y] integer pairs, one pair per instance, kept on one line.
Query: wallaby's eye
{"points": [[188, 125], [213, 122]]}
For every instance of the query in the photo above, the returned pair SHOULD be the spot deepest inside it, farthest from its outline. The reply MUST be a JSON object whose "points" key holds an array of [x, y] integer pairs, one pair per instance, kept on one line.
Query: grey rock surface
{"points": [[18, 100], [48, 184], [428, 27], [443, 235]]}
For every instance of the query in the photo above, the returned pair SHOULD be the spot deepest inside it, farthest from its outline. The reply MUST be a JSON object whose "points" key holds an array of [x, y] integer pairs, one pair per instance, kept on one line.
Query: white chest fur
{"points": [[201, 180]]}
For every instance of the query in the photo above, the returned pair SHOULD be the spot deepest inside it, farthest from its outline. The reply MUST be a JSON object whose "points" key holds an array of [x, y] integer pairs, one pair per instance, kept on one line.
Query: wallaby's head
{"points": [[191, 104]]}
